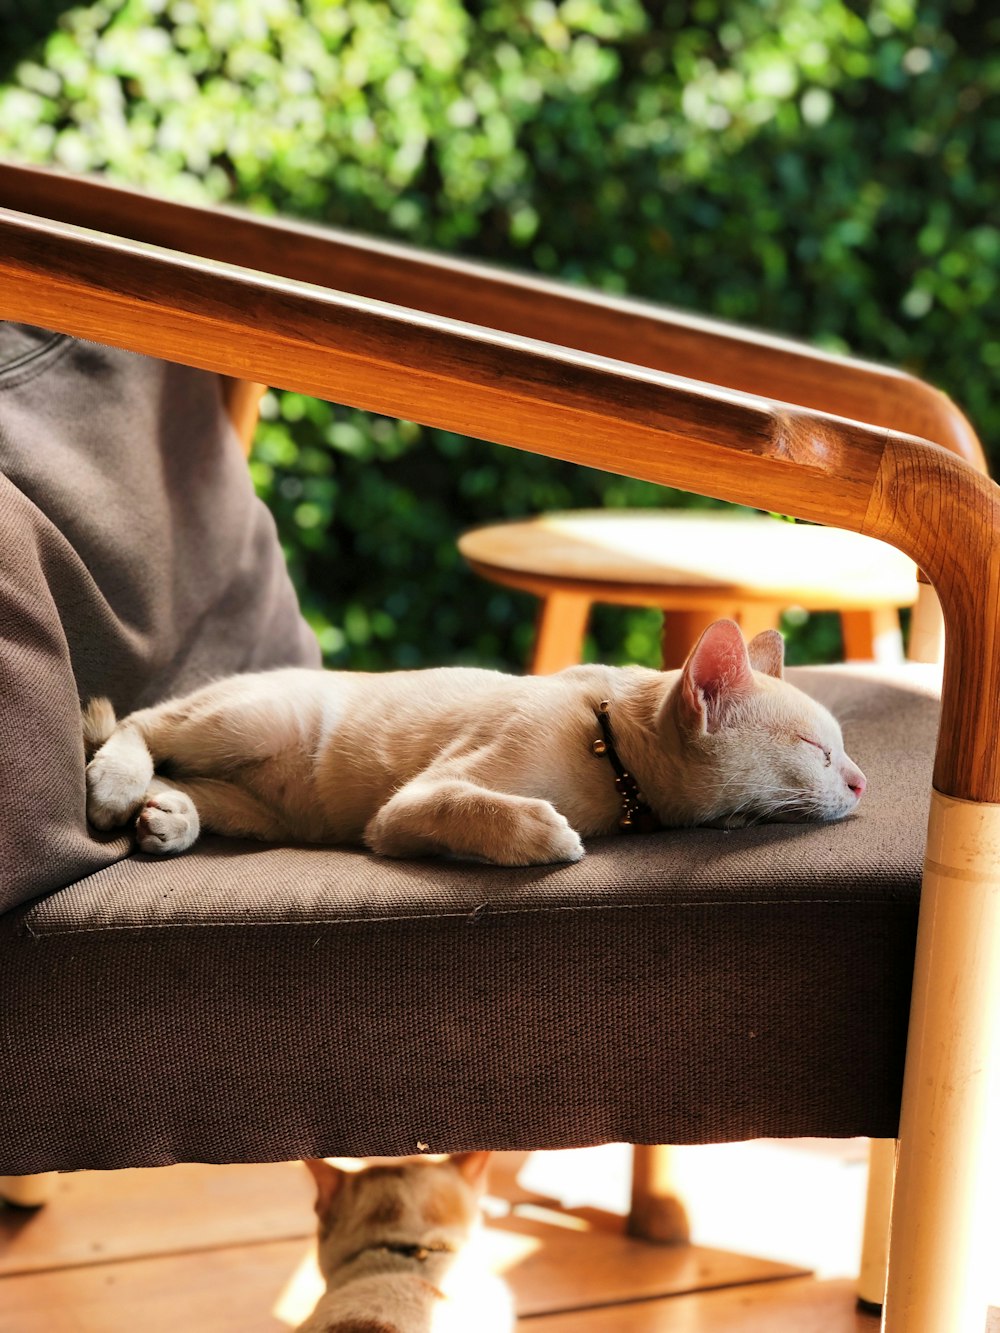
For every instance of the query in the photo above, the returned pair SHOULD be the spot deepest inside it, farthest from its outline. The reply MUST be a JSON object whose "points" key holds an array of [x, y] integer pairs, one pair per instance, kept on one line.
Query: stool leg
{"points": [[656, 1212], [872, 636], [683, 629], [754, 619], [878, 1206], [562, 623]]}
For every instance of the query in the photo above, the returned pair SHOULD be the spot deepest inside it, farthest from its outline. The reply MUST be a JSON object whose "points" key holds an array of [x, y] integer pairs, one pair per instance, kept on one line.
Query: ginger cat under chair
{"points": [[473, 763], [399, 1250]]}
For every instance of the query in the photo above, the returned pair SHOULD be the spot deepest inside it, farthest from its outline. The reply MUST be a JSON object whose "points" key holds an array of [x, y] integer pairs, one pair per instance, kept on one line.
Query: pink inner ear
{"points": [[717, 669]]}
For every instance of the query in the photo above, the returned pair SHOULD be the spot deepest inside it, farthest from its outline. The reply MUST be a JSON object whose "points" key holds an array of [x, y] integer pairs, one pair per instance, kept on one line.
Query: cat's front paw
{"points": [[168, 823], [543, 837], [115, 789]]}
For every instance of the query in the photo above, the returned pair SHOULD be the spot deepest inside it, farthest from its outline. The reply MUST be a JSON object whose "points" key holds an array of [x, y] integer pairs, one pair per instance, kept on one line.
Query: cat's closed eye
{"points": [[816, 745]]}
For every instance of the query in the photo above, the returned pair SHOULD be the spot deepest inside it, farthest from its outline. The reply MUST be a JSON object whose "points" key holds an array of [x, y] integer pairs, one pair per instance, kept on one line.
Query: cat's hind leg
{"points": [[120, 772], [430, 816]]}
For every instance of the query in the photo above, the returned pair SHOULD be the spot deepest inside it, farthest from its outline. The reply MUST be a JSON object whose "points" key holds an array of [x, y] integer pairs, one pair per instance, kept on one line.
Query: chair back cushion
{"points": [[136, 563]]}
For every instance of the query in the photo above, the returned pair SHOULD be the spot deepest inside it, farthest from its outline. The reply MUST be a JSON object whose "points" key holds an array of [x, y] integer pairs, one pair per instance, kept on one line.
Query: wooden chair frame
{"points": [[781, 427]]}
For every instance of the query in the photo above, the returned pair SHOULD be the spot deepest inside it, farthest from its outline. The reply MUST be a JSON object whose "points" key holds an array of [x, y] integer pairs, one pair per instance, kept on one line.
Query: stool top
{"points": [[669, 556]]}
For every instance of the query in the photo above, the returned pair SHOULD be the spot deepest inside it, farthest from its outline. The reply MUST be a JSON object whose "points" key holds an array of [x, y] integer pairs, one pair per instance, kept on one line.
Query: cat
{"points": [[399, 1250], [473, 763]]}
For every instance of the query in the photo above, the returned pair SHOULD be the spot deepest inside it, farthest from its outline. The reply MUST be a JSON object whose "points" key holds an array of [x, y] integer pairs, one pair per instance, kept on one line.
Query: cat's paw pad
{"points": [[545, 838], [115, 790], [168, 823]]}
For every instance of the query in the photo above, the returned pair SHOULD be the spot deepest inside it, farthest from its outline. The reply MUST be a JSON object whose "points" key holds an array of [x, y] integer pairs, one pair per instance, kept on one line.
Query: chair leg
{"points": [[944, 1239], [875, 1243], [926, 627], [29, 1191], [656, 1214], [683, 629], [754, 618]]}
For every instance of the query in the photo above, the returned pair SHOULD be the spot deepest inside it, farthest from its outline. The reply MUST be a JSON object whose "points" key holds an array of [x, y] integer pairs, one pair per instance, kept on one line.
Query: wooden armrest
{"points": [[557, 401], [648, 335]]}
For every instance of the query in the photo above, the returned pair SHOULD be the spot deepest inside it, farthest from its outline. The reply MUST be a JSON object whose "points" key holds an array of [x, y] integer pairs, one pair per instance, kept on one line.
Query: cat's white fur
{"points": [[468, 762], [369, 1225]]}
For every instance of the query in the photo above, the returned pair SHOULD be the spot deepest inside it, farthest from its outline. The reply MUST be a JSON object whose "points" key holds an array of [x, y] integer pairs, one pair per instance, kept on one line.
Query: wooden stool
{"points": [[697, 567]]}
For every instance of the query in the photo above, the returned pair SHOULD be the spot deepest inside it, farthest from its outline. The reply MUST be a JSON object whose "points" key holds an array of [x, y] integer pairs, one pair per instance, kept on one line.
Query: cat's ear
{"points": [[472, 1165], [716, 674], [767, 653], [328, 1178]]}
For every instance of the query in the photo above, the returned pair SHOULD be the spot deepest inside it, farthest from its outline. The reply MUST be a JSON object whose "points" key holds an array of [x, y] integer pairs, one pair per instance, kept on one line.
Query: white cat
{"points": [[400, 1252], [471, 763]]}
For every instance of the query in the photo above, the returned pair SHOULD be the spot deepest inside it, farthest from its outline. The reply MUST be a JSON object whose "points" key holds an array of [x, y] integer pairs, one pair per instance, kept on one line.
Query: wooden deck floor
{"points": [[226, 1249]]}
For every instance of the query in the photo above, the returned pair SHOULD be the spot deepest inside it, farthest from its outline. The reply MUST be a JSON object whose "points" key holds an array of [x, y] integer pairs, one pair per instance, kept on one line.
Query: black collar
{"points": [[637, 816], [420, 1253]]}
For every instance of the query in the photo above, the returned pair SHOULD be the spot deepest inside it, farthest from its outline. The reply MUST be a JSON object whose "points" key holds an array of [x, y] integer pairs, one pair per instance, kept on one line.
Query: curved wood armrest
{"points": [[652, 336], [557, 401]]}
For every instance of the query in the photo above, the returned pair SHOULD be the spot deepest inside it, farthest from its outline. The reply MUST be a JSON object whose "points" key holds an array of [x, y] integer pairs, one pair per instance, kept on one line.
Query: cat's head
{"points": [[754, 747], [408, 1202]]}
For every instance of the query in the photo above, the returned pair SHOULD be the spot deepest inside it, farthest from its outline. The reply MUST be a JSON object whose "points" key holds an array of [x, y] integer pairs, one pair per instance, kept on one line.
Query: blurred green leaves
{"points": [[824, 168]]}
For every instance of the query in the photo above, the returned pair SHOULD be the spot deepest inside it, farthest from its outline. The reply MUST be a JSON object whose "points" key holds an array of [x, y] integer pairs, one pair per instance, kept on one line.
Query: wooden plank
{"points": [[570, 1260], [215, 1291], [557, 1256], [101, 1215], [801, 1305], [96, 1216], [552, 1262]]}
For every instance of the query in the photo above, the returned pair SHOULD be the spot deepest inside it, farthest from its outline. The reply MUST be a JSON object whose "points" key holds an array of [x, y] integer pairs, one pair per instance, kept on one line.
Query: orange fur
{"points": [[368, 1222]]}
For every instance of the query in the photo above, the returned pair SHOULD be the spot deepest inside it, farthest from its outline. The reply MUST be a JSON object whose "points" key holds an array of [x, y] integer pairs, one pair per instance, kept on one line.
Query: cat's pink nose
{"points": [[856, 780]]}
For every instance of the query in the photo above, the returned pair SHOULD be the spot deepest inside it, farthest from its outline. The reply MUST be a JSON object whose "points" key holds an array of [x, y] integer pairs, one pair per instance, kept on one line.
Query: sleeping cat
{"points": [[398, 1250], [473, 763]]}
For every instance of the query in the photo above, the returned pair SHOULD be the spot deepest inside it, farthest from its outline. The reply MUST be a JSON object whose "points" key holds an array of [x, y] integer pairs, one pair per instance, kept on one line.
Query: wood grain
{"points": [[798, 1306], [99, 1216], [550, 1267], [404, 363], [946, 516], [652, 336]]}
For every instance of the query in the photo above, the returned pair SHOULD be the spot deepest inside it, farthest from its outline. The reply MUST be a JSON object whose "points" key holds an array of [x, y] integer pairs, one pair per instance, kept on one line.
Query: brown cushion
{"points": [[137, 562], [244, 1002]]}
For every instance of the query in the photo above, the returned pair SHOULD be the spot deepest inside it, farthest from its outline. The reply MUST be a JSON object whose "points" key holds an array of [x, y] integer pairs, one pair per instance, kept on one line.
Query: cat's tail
{"points": [[98, 724]]}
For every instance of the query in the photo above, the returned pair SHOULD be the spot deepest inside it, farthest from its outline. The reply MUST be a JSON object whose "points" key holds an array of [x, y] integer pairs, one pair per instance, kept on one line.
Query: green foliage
{"points": [[823, 168]]}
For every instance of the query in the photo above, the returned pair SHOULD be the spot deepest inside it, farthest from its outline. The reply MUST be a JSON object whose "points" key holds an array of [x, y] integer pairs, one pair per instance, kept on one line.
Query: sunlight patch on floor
{"points": [[796, 1201]]}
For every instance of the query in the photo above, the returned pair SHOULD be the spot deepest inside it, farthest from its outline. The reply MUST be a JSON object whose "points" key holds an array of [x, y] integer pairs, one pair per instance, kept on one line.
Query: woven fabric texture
{"points": [[244, 1002], [136, 563]]}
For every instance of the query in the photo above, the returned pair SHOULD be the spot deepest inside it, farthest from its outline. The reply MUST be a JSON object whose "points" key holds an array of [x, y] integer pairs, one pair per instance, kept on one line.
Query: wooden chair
{"points": [[526, 364]]}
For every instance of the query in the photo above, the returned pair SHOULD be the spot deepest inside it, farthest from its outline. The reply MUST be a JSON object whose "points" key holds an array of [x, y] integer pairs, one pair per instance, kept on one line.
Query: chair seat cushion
{"points": [[246, 1002]]}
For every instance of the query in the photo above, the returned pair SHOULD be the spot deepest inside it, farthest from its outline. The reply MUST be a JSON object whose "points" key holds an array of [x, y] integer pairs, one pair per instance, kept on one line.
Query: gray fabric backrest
{"points": [[135, 562]]}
